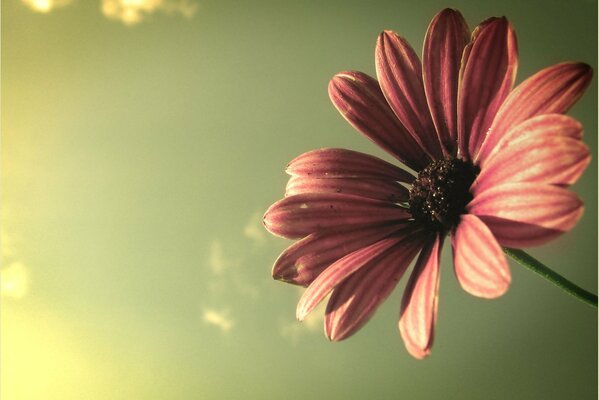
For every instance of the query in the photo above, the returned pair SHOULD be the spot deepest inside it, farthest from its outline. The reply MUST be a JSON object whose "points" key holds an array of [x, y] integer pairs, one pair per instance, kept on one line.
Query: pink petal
{"points": [[527, 214], [446, 37], [303, 261], [355, 300], [419, 302], [342, 163], [359, 99], [479, 262], [380, 189], [400, 75], [541, 126], [536, 159], [475, 33], [488, 73], [339, 271], [298, 216], [552, 90]]}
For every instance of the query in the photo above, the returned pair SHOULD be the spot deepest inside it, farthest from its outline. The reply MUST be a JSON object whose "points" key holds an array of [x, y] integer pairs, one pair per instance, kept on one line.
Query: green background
{"points": [[137, 162]]}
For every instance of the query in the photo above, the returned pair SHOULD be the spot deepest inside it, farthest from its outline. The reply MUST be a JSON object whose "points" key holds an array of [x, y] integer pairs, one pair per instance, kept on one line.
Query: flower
{"points": [[493, 165]]}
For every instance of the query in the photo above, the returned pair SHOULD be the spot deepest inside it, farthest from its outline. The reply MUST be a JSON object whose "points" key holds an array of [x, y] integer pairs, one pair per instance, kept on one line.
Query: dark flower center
{"points": [[441, 192]]}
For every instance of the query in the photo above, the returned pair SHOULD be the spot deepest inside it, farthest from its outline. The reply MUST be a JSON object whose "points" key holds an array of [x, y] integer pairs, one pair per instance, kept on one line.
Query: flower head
{"points": [[490, 166]]}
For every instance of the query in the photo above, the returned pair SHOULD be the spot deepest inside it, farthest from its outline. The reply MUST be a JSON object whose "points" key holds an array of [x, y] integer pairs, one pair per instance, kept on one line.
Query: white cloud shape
{"points": [[313, 323], [254, 229], [131, 12], [217, 260], [220, 319]]}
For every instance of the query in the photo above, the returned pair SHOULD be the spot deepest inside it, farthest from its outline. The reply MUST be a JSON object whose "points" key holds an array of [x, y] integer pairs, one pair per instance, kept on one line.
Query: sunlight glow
{"points": [[14, 281], [45, 6], [132, 12], [43, 358]]}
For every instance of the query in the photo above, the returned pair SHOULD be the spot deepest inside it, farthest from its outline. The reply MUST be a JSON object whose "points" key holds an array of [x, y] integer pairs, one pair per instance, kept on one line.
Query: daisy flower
{"points": [[483, 162]]}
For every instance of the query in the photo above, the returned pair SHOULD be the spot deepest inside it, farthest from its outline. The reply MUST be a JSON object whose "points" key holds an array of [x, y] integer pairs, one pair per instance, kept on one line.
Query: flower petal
{"points": [[446, 37], [342, 163], [304, 260], [355, 300], [488, 73], [479, 262], [400, 75], [339, 271], [527, 214], [298, 216], [359, 99], [419, 302], [552, 90], [537, 159], [546, 125], [381, 189]]}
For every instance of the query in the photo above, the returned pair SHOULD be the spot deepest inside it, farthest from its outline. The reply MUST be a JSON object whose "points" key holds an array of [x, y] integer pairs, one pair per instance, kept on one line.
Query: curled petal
{"points": [[400, 75], [380, 189], [446, 37], [527, 214], [303, 261], [356, 299], [359, 99], [338, 272], [419, 302], [488, 72], [552, 90], [342, 163], [479, 262], [298, 216]]}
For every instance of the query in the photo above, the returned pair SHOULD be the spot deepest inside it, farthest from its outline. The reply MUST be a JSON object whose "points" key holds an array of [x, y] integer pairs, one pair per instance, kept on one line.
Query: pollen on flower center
{"points": [[441, 192]]}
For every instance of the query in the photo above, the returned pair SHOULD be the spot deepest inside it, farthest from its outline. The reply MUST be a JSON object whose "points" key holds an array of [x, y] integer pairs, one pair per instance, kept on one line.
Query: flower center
{"points": [[441, 192]]}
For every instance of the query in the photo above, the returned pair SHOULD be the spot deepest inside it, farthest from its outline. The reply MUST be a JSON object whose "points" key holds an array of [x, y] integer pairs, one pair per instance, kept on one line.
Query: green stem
{"points": [[536, 266]]}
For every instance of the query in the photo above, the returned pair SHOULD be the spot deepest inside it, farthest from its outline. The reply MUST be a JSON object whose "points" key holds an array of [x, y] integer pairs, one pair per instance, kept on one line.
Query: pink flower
{"points": [[493, 163]]}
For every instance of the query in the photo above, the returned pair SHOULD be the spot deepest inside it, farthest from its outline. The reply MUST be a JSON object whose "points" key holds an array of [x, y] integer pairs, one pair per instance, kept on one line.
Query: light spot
{"points": [[219, 319], [131, 12], [304, 206], [14, 281], [45, 6], [254, 229], [312, 324], [217, 260]]}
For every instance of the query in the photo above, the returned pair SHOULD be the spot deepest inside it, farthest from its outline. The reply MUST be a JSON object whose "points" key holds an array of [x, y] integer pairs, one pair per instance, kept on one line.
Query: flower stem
{"points": [[535, 265]]}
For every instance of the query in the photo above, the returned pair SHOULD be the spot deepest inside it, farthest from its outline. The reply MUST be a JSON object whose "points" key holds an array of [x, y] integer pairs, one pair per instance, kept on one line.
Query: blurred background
{"points": [[142, 140]]}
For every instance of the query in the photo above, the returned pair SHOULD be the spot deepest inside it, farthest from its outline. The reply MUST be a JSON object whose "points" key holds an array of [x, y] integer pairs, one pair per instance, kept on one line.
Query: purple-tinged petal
{"points": [[478, 261], [298, 216], [359, 99], [527, 214], [419, 302], [466, 54], [446, 37], [381, 189], [356, 299], [541, 126], [487, 77], [400, 75], [537, 159], [552, 90], [303, 261], [339, 271], [342, 163]]}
